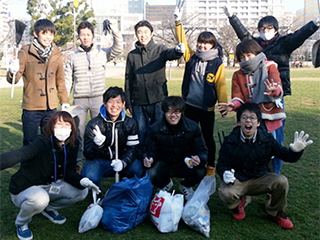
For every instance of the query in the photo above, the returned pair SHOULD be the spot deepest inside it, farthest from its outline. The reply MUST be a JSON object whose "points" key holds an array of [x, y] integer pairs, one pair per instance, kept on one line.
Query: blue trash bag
{"points": [[126, 204]]}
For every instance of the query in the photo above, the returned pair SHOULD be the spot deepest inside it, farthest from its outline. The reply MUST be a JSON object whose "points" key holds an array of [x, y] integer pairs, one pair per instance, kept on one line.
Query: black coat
{"points": [[127, 138], [280, 48], [145, 78], [37, 164], [173, 145], [251, 160]]}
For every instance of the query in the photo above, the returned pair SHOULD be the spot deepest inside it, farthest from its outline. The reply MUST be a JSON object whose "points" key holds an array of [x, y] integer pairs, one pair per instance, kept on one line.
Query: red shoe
{"points": [[238, 212], [282, 219]]}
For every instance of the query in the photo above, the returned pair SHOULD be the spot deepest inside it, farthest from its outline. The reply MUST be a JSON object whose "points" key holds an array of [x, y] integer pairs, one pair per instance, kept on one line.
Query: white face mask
{"points": [[267, 35], [62, 134]]}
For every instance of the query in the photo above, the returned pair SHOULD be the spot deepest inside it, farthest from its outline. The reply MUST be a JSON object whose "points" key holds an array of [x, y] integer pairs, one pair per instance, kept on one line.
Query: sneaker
{"points": [[167, 187], [282, 219], [54, 216], [187, 191], [24, 233], [238, 212]]}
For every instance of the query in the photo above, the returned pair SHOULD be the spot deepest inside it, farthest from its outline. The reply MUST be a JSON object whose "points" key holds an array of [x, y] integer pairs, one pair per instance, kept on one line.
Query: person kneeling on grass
{"points": [[47, 179], [175, 148], [243, 166]]}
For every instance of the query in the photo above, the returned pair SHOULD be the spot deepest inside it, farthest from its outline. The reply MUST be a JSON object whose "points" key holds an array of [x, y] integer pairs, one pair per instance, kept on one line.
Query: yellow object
{"points": [[211, 171], [75, 3]]}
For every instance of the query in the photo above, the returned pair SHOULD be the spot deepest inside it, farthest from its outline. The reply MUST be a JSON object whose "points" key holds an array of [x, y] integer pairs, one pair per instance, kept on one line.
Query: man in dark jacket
{"points": [[175, 149], [277, 48], [243, 166], [100, 142], [145, 78]]}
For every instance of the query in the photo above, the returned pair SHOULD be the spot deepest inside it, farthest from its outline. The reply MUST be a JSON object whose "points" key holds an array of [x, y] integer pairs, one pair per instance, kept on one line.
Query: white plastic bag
{"points": [[92, 216], [165, 211], [196, 213]]}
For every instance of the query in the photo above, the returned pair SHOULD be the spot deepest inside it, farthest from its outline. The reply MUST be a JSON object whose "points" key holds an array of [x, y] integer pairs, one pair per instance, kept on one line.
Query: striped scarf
{"points": [[44, 53]]}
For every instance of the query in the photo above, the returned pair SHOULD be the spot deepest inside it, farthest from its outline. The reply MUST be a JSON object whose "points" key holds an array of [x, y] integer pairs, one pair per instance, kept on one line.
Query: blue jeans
{"points": [[145, 116], [31, 121], [96, 169]]}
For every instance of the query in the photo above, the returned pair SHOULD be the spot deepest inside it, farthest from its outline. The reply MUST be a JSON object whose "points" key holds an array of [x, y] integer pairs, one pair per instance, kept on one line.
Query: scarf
{"points": [[207, 55], [86, 49], [44, 53], [258, 73]]}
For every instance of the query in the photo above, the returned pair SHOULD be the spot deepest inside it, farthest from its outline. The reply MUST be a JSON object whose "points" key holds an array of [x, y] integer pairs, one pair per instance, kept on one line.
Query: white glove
{"points": [[300, 142], [87, 183], [64, 106], [180, 48], [316, 21], [278, 103], [226, 12], [14, 66], [99, 137], [228, 176], [114, 25], [177, 14], [117, 165], [187, 161]]}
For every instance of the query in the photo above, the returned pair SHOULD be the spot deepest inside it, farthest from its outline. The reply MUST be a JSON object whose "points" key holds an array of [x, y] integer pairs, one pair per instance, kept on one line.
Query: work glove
{"points": [[14, 66], [226, 12], [117, 165], [110, 25], [87, 183], [228, 176], [64, 106], [99, 138], [300, 142], [187, 161], [147, 162], [177, 14], [180, 48], [316, 21]]}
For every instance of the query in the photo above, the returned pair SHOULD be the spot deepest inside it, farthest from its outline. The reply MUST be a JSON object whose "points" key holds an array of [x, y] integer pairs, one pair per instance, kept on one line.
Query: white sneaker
{"points": [[187, 191], [167, 187]]}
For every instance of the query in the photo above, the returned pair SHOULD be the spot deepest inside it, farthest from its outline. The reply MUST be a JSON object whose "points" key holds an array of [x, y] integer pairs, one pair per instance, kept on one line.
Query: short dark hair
{"points": [[143, 23], [251, 107], [113, 92], [247, 45], [268, 21], [207, 37], [85, 24], [44, 25], [174, 102], [48, 129]]}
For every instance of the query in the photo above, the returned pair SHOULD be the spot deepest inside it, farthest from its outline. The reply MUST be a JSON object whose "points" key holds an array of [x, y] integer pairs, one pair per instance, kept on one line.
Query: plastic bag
{"points": [[92, 216], [196, 213], [166, 210], [126, 204]]}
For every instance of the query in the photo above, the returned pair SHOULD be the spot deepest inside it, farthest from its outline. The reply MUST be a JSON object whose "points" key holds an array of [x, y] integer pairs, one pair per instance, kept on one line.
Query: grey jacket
{"points": [[85, 71]]}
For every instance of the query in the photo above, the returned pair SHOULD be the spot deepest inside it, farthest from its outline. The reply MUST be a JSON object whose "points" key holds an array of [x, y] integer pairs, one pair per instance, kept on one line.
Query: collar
{"points": [[182, 126], [147, 48], [103, 113], [248, 140]]}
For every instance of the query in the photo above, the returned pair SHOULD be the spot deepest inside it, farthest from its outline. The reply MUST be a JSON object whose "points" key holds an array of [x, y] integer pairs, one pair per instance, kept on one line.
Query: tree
{"points": [[62, 15]]}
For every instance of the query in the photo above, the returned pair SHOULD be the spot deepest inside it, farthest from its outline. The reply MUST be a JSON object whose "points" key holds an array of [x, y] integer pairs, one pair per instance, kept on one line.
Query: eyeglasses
{"points": [[175, 112], [264, 28], [252, 118]]}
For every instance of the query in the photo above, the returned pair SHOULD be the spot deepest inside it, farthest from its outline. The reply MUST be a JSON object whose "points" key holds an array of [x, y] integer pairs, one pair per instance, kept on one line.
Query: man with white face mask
{"points": [[277, 48]]}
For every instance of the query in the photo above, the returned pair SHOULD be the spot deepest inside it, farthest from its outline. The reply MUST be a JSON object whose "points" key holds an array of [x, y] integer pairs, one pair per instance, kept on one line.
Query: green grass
{"points": [[303, 113]]}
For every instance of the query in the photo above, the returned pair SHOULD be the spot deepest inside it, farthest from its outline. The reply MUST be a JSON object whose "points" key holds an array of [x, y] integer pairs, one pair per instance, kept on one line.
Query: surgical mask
{"points": [[267, 35], [62, 134]]}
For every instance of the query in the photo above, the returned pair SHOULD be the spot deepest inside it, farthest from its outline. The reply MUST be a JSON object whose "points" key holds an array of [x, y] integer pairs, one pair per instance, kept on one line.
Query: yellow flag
{"points": [[75, 3]]}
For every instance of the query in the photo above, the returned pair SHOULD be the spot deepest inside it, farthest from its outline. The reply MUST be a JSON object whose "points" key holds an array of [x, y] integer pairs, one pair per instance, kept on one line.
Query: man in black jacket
{"points": [[99, 140], [243, 162], [175, 149], [277, 48], [145, 78]]}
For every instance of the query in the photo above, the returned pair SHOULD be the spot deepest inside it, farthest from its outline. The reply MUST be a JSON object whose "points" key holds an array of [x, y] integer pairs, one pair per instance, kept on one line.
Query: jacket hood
{"points": [[104, 114]]}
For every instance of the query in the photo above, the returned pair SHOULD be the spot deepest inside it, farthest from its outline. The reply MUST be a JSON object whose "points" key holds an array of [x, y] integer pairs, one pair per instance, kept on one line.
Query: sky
{"points": [[18, 7]]}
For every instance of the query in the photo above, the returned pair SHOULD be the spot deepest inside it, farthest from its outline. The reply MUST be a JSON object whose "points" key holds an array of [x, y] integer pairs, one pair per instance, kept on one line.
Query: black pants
{"points": [[206, 121], [161, 173]]}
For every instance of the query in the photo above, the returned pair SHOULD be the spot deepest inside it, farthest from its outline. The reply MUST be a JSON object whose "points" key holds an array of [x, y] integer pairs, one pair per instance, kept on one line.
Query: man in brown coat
{"points": [[40, 64]]}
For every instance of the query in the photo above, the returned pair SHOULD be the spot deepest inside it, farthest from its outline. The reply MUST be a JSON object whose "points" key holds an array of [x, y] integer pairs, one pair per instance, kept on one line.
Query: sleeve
{"points": [[284, 153], [236, 91], [61, 83], [223, 160], [238, 27], [129, 77], [22, 62], [132, 143], [117, 46], [152, 150], [181, 37], [199, 147], [68, 71], [274, 74], [221, 85]]}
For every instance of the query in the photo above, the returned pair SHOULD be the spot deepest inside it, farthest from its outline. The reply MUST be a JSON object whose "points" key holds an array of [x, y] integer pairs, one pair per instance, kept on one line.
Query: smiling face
{"points": [[203, 47], [144, 35], [86, 37], [114, 107], [45, 38], [249, 123], [173, 116]]}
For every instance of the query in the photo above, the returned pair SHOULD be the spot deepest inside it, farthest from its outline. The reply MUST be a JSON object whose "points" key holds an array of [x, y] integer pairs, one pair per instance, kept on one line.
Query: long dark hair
{"points": [[48, 129]]}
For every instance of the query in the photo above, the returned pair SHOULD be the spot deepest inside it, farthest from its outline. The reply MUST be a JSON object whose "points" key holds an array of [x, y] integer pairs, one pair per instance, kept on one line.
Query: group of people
{"points": [[167, 136]]}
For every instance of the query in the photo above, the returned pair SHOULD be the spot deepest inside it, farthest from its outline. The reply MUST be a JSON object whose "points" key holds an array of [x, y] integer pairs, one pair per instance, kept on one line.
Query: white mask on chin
{"points": [[62, 134], [267, 35]]}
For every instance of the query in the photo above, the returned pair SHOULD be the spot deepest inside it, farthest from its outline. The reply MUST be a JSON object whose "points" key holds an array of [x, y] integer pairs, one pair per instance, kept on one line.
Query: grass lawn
{"points": [[303, 113]]}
